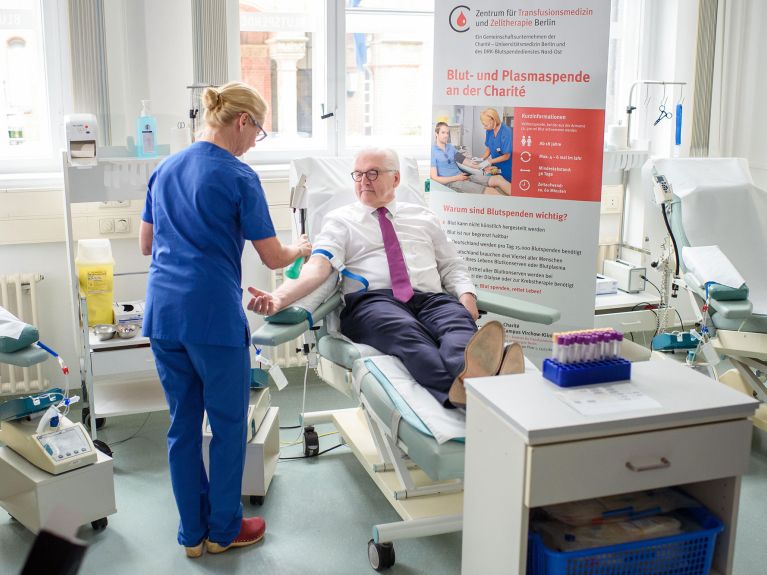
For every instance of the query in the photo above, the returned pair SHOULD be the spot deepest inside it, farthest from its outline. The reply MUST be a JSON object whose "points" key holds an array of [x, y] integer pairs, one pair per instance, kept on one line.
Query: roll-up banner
{"points": [[516, 156]]}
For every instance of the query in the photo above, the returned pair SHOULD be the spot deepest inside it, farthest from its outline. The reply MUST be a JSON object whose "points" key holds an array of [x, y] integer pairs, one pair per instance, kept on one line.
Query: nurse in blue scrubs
{"points": [[202, 205], [498, 142]]}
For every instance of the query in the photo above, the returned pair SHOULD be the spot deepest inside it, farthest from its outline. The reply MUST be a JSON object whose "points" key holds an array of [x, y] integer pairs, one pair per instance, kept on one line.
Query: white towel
{"points": [[709, 264], [444, 424], [10, 325]]}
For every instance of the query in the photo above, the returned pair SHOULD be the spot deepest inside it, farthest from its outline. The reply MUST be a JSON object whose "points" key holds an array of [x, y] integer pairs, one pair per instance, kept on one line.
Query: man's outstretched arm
{"points": [[314, 272]]}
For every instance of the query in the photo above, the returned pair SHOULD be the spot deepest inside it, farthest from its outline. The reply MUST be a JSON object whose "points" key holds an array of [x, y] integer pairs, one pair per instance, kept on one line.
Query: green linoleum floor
{"points": [[319, 512]]}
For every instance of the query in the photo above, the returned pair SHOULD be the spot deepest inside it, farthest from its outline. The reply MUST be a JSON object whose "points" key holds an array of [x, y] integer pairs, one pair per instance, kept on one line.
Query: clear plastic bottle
{"points": [[146, 132]]}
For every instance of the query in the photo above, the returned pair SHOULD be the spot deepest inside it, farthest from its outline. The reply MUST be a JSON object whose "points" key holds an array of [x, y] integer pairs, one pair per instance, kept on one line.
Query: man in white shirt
{"points": [[427, 322]]}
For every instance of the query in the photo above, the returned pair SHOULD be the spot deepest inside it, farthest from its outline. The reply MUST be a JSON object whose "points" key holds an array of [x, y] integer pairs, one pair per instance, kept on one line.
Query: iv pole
{"points": [[631, 108]]}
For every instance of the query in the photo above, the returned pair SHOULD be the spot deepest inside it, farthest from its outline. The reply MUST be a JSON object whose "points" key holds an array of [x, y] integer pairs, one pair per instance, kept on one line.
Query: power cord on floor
{"points": [[289, 443], [311, 456], [134, 434]]}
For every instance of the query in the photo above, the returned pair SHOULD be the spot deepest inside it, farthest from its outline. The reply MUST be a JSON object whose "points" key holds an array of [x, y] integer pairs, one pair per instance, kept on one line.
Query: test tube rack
{"points": [[586, 372]]}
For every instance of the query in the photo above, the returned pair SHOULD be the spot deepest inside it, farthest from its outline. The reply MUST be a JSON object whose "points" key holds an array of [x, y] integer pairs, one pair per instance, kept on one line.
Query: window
{"points": [[623, 59], [337, 82], [26, 138], [388, 73], [283, 56]]}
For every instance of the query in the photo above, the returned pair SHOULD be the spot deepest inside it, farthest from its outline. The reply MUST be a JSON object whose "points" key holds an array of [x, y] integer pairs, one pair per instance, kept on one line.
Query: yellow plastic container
{"points": [[95, 272]]}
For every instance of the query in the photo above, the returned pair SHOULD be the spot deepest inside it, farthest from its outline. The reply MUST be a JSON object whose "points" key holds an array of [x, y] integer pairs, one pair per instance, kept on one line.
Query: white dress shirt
{"points": [[352, 235]]}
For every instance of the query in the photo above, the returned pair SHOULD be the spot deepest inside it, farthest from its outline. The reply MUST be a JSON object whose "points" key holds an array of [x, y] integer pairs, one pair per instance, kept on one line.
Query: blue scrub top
{"points": [[203, 204], [499, 145], [444, 160]]}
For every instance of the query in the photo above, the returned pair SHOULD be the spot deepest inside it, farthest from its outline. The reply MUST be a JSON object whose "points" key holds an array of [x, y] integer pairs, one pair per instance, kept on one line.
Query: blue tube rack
{"points": [[587, 372]]}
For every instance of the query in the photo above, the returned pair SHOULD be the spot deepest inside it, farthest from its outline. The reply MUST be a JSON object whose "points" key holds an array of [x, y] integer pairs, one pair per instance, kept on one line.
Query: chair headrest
{"points": [[329, 185]]}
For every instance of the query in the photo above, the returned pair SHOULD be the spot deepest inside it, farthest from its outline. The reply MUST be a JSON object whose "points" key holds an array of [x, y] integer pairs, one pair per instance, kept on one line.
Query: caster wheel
{"points": [[256, 499], [100, 421], [311, 442], [381, 555], [102, 447], [99, 524]]}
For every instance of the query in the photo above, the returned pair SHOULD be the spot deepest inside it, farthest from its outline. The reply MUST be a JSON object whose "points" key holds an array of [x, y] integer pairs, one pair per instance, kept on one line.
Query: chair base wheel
{"points": [[100, 524], [381, 555], [257, 499]]}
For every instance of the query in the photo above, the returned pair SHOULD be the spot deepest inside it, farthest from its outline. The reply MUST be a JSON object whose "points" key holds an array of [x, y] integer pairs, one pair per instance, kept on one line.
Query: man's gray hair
{"points": [[391, 158]]}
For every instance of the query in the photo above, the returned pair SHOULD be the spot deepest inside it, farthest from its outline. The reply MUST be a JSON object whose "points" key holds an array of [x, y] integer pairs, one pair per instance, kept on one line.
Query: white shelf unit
{"points": [[118, 376]]}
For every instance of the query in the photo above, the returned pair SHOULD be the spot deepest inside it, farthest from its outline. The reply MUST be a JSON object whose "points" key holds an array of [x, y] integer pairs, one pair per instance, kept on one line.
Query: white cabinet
{"points": [[31, 495], [526, 447]]}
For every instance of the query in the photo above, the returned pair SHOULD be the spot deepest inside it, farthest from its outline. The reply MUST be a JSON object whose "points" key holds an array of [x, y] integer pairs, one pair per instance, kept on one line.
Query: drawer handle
{"points": [[631, 323], [662, 464]]}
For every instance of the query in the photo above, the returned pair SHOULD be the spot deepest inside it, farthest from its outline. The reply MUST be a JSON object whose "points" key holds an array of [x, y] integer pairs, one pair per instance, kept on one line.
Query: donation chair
{"points": [[715, 203], [410, 445]]}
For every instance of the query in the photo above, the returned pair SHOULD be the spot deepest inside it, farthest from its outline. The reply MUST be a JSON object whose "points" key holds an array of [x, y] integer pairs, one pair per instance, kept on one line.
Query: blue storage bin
{"points": [[587, 372], [688, 553]]}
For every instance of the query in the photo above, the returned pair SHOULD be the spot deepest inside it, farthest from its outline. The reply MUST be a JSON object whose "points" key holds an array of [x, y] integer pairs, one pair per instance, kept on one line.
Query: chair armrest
{"points": [[289, 323], [516, 308], [25, 357], [731, 306]]}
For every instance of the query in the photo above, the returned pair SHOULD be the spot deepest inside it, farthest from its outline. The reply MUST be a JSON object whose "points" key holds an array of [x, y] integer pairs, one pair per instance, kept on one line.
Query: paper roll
{"points": [[616, 137], [180, 138]]}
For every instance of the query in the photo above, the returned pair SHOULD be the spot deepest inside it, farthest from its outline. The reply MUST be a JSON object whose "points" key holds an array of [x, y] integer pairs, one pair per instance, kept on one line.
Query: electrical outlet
{"points": [[612, 199], [122, 225], [106, 225]]}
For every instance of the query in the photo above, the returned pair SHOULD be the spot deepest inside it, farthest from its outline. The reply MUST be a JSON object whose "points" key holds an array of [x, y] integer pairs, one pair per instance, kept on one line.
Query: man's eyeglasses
{"points": [[261, 132], [371, 175]]}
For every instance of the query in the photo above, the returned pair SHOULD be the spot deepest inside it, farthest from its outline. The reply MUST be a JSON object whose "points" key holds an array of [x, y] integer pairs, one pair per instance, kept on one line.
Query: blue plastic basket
{"points": [[682, 554], [586, 373]]}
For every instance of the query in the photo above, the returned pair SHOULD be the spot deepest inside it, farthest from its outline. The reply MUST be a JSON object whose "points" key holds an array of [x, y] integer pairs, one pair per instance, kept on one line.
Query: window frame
{"points": [[336, 142], [56, 72]]}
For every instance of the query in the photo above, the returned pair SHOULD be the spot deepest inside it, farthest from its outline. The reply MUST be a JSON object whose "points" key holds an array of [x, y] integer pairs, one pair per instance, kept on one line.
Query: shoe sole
{"points": [[482, 357], [215, 548], [513, 360]]}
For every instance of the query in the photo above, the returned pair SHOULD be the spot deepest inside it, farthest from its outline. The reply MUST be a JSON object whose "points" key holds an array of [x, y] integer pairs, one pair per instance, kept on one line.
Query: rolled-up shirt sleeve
{"points": [[453, 271], [331, 242]]}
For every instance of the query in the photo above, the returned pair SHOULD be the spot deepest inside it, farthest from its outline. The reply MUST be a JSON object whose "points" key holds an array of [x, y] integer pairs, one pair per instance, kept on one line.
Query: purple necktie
{"points": [[400, 281]]}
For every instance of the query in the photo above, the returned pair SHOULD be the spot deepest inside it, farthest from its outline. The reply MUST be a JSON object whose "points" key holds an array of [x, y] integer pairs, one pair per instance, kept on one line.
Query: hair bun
{"points": [[212, 99]]}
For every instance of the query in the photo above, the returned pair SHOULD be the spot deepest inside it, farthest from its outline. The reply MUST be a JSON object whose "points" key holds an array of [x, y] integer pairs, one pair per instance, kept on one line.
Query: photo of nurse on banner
{"points": [[471, 151]]}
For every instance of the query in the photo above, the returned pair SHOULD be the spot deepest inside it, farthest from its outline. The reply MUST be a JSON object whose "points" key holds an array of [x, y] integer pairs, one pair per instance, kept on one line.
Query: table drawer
{"points": [[597, 467], [122, 361]]}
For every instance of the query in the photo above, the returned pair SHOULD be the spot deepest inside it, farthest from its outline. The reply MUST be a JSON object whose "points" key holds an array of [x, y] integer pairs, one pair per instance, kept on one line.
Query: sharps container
{"points": [[95, 271]]}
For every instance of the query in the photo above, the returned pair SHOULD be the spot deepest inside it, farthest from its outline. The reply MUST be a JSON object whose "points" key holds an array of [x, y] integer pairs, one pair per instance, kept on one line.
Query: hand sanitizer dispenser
{"points": [[146, 132]]}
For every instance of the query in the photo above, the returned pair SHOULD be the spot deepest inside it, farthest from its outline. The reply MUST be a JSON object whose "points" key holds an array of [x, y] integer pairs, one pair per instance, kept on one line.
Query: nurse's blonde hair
{"points": [[491, 113], [224, 104]]}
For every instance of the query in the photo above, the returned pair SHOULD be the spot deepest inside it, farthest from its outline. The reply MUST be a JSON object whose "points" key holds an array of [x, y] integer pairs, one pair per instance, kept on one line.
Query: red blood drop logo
{"points": [[461, 21]]}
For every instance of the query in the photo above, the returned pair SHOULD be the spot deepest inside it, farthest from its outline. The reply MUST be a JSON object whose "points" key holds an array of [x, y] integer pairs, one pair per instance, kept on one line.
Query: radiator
{"points": [[18, 294], [285, 355]]}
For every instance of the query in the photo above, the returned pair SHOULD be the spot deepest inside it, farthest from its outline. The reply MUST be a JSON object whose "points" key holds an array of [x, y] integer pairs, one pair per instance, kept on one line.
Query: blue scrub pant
{"points": [[428, 334], [215, 379]]}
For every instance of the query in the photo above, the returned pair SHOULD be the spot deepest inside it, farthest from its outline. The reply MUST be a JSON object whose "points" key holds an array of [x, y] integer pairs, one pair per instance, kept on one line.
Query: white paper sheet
{"points": [[608, 398]]}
